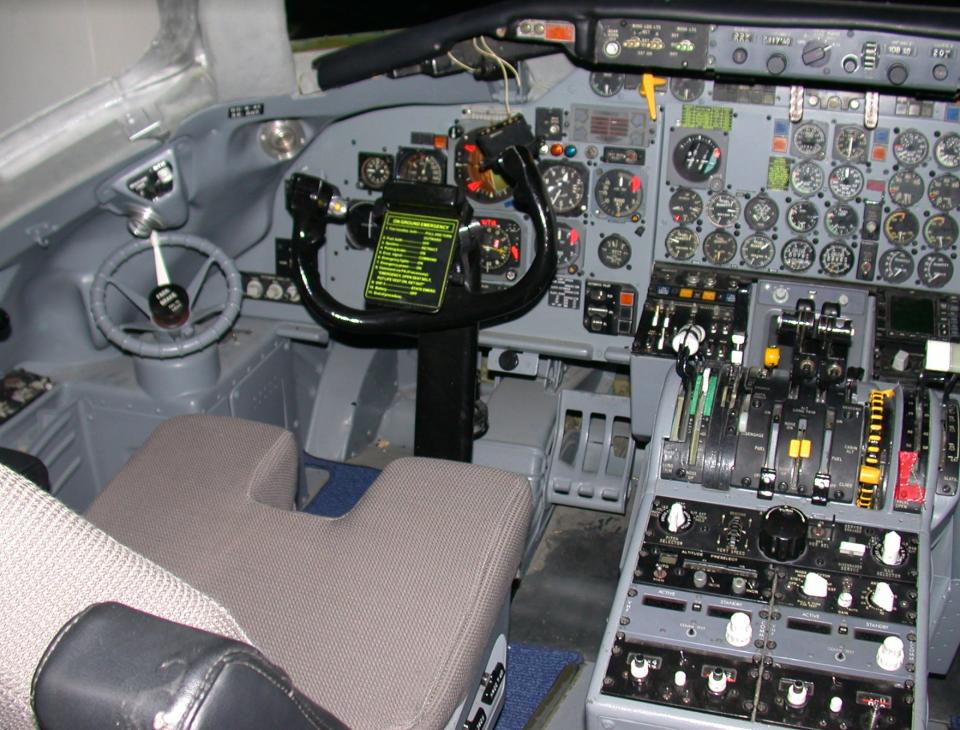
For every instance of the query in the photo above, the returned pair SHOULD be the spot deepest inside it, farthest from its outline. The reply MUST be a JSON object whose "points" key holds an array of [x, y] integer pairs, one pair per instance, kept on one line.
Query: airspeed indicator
{"points": [[619, 193]]}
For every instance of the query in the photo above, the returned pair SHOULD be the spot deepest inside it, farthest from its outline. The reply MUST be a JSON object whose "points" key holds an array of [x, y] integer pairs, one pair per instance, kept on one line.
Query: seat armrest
{"points": [[114, 666], [26, 465]]}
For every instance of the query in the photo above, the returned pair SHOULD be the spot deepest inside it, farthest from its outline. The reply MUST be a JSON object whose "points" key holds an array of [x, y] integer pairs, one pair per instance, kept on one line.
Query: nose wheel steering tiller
{"points": [[446, 308]]}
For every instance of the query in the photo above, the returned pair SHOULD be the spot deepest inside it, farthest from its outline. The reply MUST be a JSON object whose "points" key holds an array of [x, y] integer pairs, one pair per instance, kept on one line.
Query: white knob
{"points": [[739, 630], [680, 678], [689, 336], [836, 704], [845, 599], [890, 654], [717, 681], [274, 291], [882, 597], [815, 585], [254, 288], [676, 517], [891, 548], [639, 668], [797, 694]]}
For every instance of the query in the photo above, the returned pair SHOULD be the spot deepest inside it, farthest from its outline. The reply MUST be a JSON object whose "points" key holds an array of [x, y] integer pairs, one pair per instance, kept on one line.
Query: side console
{"points": [[779, 570]]}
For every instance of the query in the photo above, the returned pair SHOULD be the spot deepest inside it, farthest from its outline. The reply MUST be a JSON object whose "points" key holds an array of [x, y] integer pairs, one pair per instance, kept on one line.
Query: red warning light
{"points": [[470, 148], [574, 235], [515, 252], [635, 184], [474, 185]]}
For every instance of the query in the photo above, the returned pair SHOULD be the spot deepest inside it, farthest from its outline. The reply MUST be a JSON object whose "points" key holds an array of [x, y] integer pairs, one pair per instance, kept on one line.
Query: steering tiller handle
{"points": [[307, 199]]}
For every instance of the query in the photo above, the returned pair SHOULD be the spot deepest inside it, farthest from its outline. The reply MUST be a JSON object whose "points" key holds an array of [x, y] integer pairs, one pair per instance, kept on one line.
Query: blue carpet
{"points": [[346, 485], [531, 672]]}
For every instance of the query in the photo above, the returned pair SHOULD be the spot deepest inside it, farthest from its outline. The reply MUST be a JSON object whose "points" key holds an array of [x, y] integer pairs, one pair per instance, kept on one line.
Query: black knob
{"points": [[777, 64], [509, 360], [783, 534], [815, 53], [897, 74]]}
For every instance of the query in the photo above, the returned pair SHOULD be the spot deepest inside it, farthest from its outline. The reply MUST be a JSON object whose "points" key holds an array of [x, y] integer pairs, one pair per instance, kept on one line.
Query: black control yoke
{"points": [[307, 201]]}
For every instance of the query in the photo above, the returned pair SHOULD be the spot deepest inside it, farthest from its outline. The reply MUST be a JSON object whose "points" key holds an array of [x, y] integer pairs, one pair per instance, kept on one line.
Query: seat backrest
{"points": [[53, 564]]}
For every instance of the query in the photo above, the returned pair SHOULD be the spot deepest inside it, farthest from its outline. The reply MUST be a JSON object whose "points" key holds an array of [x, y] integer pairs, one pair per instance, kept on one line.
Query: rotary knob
{"points": [[783, 534]]}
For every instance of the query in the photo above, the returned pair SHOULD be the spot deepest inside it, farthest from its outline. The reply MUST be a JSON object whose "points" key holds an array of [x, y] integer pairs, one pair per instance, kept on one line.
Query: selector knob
{"points": [[739, 630], [890, 553], [815, 53], [783, 534], [639, 668], [717, 681], [883, 597], [897, 74], [676, 519], [845, 599], [815, 585], [777, 64], [890, 654], [836, 704], [797, 694]]}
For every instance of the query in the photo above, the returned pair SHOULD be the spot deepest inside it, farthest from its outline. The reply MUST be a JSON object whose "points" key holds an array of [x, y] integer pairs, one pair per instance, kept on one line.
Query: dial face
{"points": [[423, 166], [910, 147], [686, 205], [896, 266], [797, 255], [619, 193], [681, 244], [723, 210], [836, 259], [757, 251], [375, 171], [697, 157], [686, 89], [944, 192], [761, 213], [614, 252], [940, 231], [566, 188], [719, 247], [947, 151], [935, 270], [802, 216], [810, 140], [568, 245], [845, 182], [479, 184], [363, 227], [905, 187], [606, 83], [806, 179], [901, 227], [499, 244], [850, 144], [841, 220]]}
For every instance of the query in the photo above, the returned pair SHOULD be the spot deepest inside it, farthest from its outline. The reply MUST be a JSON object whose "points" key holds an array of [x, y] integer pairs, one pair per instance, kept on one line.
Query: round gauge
{"points": [[905, 187], [940, 231], [681, 244], [947, 151], [723, 210], [686, 205], [836, 259], [901, 227], [423, 166], [797, 255], [686, 89], [850, 144], [619, 193], [896, 266], [806, 179], [910, 147], [757, 251], [480, 184], [845, 182], [696, 157], [376, 171], [499, 244], [841, 221], [809, 140], [566, 188], [761, 213], [614, 252], [363, 227], [719, 247], [935, 270], [568, 245], [944, 192], [607, 83], [802, 216]]}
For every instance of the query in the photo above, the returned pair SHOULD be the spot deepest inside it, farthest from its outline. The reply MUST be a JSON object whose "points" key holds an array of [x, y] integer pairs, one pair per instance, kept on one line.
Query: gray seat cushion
{"points": [[54, 564], [381, 615]]}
